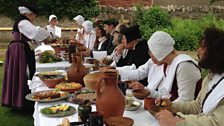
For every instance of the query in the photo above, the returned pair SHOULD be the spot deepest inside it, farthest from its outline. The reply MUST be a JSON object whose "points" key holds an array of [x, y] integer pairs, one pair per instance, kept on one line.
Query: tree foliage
{"points": [[61, 8]]}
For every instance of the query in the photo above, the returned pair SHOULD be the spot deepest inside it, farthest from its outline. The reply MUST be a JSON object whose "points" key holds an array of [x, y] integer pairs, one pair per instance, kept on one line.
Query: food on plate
{"points": [[80, 96], [48, 95], [43, 73], [162, 103], [70, 87], [86, 96], [47, 57], [55, 109]]}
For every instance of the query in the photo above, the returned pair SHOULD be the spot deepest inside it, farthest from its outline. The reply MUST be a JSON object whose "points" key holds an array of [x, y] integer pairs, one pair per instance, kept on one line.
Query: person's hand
{"points": [[107, 68], [163, 102], [105, 61], [166, 118], [119, 48], [135, 85], [81, 36], [80, 47]]}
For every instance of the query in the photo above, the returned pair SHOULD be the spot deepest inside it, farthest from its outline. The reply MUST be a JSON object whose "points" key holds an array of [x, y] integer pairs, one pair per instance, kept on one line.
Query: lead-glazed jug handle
{"points": [[98, 93]]}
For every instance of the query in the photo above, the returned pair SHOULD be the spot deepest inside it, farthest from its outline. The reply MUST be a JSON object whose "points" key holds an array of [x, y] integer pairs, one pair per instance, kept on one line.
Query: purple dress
{"points": [[19, 56]]}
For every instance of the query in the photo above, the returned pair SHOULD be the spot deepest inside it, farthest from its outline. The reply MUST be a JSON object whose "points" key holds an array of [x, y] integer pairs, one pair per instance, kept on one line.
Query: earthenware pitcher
{"points": [[77, 70], [110, 100]]}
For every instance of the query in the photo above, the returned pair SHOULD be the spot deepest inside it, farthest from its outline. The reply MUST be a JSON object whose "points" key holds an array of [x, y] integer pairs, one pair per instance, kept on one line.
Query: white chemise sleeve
{"points": [[32, 32]]}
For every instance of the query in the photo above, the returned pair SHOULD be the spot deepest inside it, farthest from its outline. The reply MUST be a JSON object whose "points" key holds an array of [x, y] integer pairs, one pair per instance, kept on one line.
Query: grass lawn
{"points": [[10, 118]]}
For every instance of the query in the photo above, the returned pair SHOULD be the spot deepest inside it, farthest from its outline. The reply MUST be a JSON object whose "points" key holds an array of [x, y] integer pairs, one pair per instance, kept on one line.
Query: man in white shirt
{"points": [[207, 109]]}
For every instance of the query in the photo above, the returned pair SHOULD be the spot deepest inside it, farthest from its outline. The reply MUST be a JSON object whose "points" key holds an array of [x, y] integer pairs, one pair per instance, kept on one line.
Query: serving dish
{"points": [[81, 96], [70, 87], [119, 121], [35, 96], [134, 105], [58, 110]]}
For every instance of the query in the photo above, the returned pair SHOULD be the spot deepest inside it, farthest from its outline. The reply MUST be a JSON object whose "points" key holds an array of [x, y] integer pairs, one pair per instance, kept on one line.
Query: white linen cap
{"points": [[88, 25], [23, 10], [161, 44], [79, 19], [51, 17]]}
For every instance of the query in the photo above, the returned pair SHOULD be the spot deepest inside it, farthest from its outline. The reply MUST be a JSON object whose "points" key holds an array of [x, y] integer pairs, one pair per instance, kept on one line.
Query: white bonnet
{"points": [[51, 17], [88, 25], [23, 10], [161, 44], [79, 19]]}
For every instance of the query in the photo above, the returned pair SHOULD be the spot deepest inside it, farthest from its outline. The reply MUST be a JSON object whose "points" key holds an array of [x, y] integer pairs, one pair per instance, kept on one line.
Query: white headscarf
{"points": [[51, 17], [23, 10], [88, 26], [80, 19], [161, 44]]}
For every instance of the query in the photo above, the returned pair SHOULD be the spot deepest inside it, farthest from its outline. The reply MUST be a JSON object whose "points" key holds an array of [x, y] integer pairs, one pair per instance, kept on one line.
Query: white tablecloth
{"points": [[52, 66], [141, 117], [63, 65]]}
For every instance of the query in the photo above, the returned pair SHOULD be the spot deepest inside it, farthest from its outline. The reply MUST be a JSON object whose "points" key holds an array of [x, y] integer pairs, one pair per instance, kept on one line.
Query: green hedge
{"points": [[186, 32]]}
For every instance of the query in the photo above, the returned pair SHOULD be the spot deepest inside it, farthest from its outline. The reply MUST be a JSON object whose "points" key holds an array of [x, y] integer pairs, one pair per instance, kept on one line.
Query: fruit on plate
{"points": [[55, 109]]}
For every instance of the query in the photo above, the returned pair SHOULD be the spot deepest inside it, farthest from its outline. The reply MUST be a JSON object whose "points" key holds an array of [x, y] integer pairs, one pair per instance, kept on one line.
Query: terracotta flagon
{"points": [[109, 100], [77, 70]]}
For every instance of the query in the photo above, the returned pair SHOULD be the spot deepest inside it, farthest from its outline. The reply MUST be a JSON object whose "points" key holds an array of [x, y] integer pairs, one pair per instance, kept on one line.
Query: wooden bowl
{"points": [[91, 80], [119, 121], [52, 81], [140, 94]]}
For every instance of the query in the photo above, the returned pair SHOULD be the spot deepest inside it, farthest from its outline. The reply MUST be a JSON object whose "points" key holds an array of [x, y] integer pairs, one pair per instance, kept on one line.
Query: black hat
{"points": [[111, 21], [32, 6], [132, 33]]}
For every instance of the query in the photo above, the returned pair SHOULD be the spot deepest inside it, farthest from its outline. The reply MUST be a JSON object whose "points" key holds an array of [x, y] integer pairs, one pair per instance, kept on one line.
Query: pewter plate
{"points": [[31, 95], [133, 106]]}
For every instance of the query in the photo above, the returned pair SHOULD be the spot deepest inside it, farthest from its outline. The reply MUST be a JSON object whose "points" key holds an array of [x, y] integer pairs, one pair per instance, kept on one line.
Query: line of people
{"points": [[152, 65]]}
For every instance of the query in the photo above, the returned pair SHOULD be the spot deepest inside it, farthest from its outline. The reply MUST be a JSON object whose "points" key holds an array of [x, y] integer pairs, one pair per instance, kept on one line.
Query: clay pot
{"points": [[77, 70], [52, 82], [109, 100]]}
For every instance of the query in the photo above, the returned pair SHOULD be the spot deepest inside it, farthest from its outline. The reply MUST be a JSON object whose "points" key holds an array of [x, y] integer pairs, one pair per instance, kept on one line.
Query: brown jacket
{"points": [[191, 111]]}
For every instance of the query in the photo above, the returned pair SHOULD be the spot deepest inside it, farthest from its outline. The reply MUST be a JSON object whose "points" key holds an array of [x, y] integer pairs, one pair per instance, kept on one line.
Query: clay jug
{"points": [[77, 70], [110, 100]]}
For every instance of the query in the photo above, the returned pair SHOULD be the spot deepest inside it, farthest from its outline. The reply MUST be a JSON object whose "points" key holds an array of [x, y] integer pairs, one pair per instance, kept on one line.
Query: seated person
{"points": [[55, 31], [136, 49], [207, 109], [100, 43], [89, 36], [168, 70], [117, 38]]}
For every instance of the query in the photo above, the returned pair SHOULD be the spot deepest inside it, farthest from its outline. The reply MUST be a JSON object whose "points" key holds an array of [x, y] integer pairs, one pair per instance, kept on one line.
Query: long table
{"points": [[141, 117]]}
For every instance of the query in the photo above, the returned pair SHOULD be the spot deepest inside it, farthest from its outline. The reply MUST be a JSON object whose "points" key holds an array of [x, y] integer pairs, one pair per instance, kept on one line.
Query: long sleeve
{"points": [[89, 40], [32, 32], [136, 74], [187, 76], [190, 111]]}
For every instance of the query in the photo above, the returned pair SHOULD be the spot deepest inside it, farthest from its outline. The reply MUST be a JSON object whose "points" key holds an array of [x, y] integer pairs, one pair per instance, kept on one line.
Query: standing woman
{"points": [[20, 60]]}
